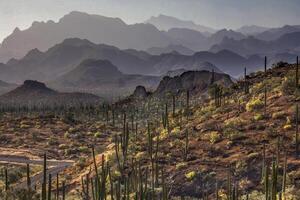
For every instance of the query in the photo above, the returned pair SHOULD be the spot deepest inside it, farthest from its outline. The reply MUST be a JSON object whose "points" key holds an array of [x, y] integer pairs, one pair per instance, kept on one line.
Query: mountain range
{"points": [[114, 32], [106, 56], [66, 56], [103, 78], [289, 42]]}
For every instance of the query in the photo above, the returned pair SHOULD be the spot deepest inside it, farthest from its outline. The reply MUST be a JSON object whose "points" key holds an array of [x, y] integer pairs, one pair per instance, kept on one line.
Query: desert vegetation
{"points": [[229, 141]]}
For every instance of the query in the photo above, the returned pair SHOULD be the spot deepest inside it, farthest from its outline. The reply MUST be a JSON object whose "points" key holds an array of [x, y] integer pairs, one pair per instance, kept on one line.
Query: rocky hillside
{"points": [[196, 82]]}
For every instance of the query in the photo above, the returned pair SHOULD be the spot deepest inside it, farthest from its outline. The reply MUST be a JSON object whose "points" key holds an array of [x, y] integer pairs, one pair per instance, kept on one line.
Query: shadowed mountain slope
{"points": [[35, 93], [103, 78]]}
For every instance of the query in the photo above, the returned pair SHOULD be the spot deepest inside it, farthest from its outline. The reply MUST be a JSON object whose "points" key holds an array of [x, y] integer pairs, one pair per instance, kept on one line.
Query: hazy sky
{"points": [[213, 13]]}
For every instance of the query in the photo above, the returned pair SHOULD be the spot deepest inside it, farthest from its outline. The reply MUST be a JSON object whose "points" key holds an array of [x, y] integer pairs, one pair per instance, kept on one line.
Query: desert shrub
{"points": [[52, 141], [272, 132], [288, 85], [214, 137], [175, 131], [190, 175], [253, 155], [67, 134], [141, 155], [84, 149], [233, 134], [258, 117], [234, 123], [63, 146], [288, 124], [181, 165], [97, 135], [254, 104]]}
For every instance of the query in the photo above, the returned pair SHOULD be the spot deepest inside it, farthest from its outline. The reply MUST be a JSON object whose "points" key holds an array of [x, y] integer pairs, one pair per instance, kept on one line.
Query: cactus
{"points": [[296, 132], [6, 180], [274, 181], [63, 190], [57, 186], [212, 80], [265, 100], [49, 186], [174, 104], [284, 174], [186, 148], [266, 182], [28, 176], [187, 100], [44, 183]]}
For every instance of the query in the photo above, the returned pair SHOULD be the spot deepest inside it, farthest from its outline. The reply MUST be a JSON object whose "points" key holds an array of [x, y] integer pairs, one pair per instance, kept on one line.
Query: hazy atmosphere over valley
{"points": [[149, 100]]}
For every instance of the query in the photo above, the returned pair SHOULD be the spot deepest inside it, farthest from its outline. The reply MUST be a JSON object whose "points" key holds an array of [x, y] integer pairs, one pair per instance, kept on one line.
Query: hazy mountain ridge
{"points": [[226, 61], [64, 57], [252, 29], [164, 22], [36, 93], [103, 78], [170, 48], [112, 31], [251, 45]]}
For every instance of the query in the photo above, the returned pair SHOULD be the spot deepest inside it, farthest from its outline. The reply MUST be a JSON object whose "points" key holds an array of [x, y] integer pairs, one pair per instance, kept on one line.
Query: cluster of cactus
{"points": [[165, 118], [133, 183], [218, 96]]}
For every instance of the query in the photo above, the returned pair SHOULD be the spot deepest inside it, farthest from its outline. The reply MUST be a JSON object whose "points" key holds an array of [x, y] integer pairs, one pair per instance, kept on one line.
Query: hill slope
{"points": [[34, 93]]}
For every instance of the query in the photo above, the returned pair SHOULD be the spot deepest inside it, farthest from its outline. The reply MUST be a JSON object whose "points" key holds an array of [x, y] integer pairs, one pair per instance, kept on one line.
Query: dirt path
{"points": [[53, 167]]}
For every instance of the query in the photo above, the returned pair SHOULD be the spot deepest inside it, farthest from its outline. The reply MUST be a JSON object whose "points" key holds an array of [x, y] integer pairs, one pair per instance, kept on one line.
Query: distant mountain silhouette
{"points": [[220, 35], [251, 45], [275, 33], [252, 30], [6, 87], [96, 28], [227, 61], [170, 48], [63, 57], [192, 39], [103, 78], [36, 93], [165, 23]]}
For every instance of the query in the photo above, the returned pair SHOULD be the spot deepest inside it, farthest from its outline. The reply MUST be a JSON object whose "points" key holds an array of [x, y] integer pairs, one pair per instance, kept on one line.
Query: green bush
{"points": [[190, 175], [258, 117], [214, 137], [254, 105]]}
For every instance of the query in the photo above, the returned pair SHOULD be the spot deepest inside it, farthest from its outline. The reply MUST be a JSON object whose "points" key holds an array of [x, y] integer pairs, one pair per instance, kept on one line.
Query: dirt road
{"points": [[53, 167]]}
